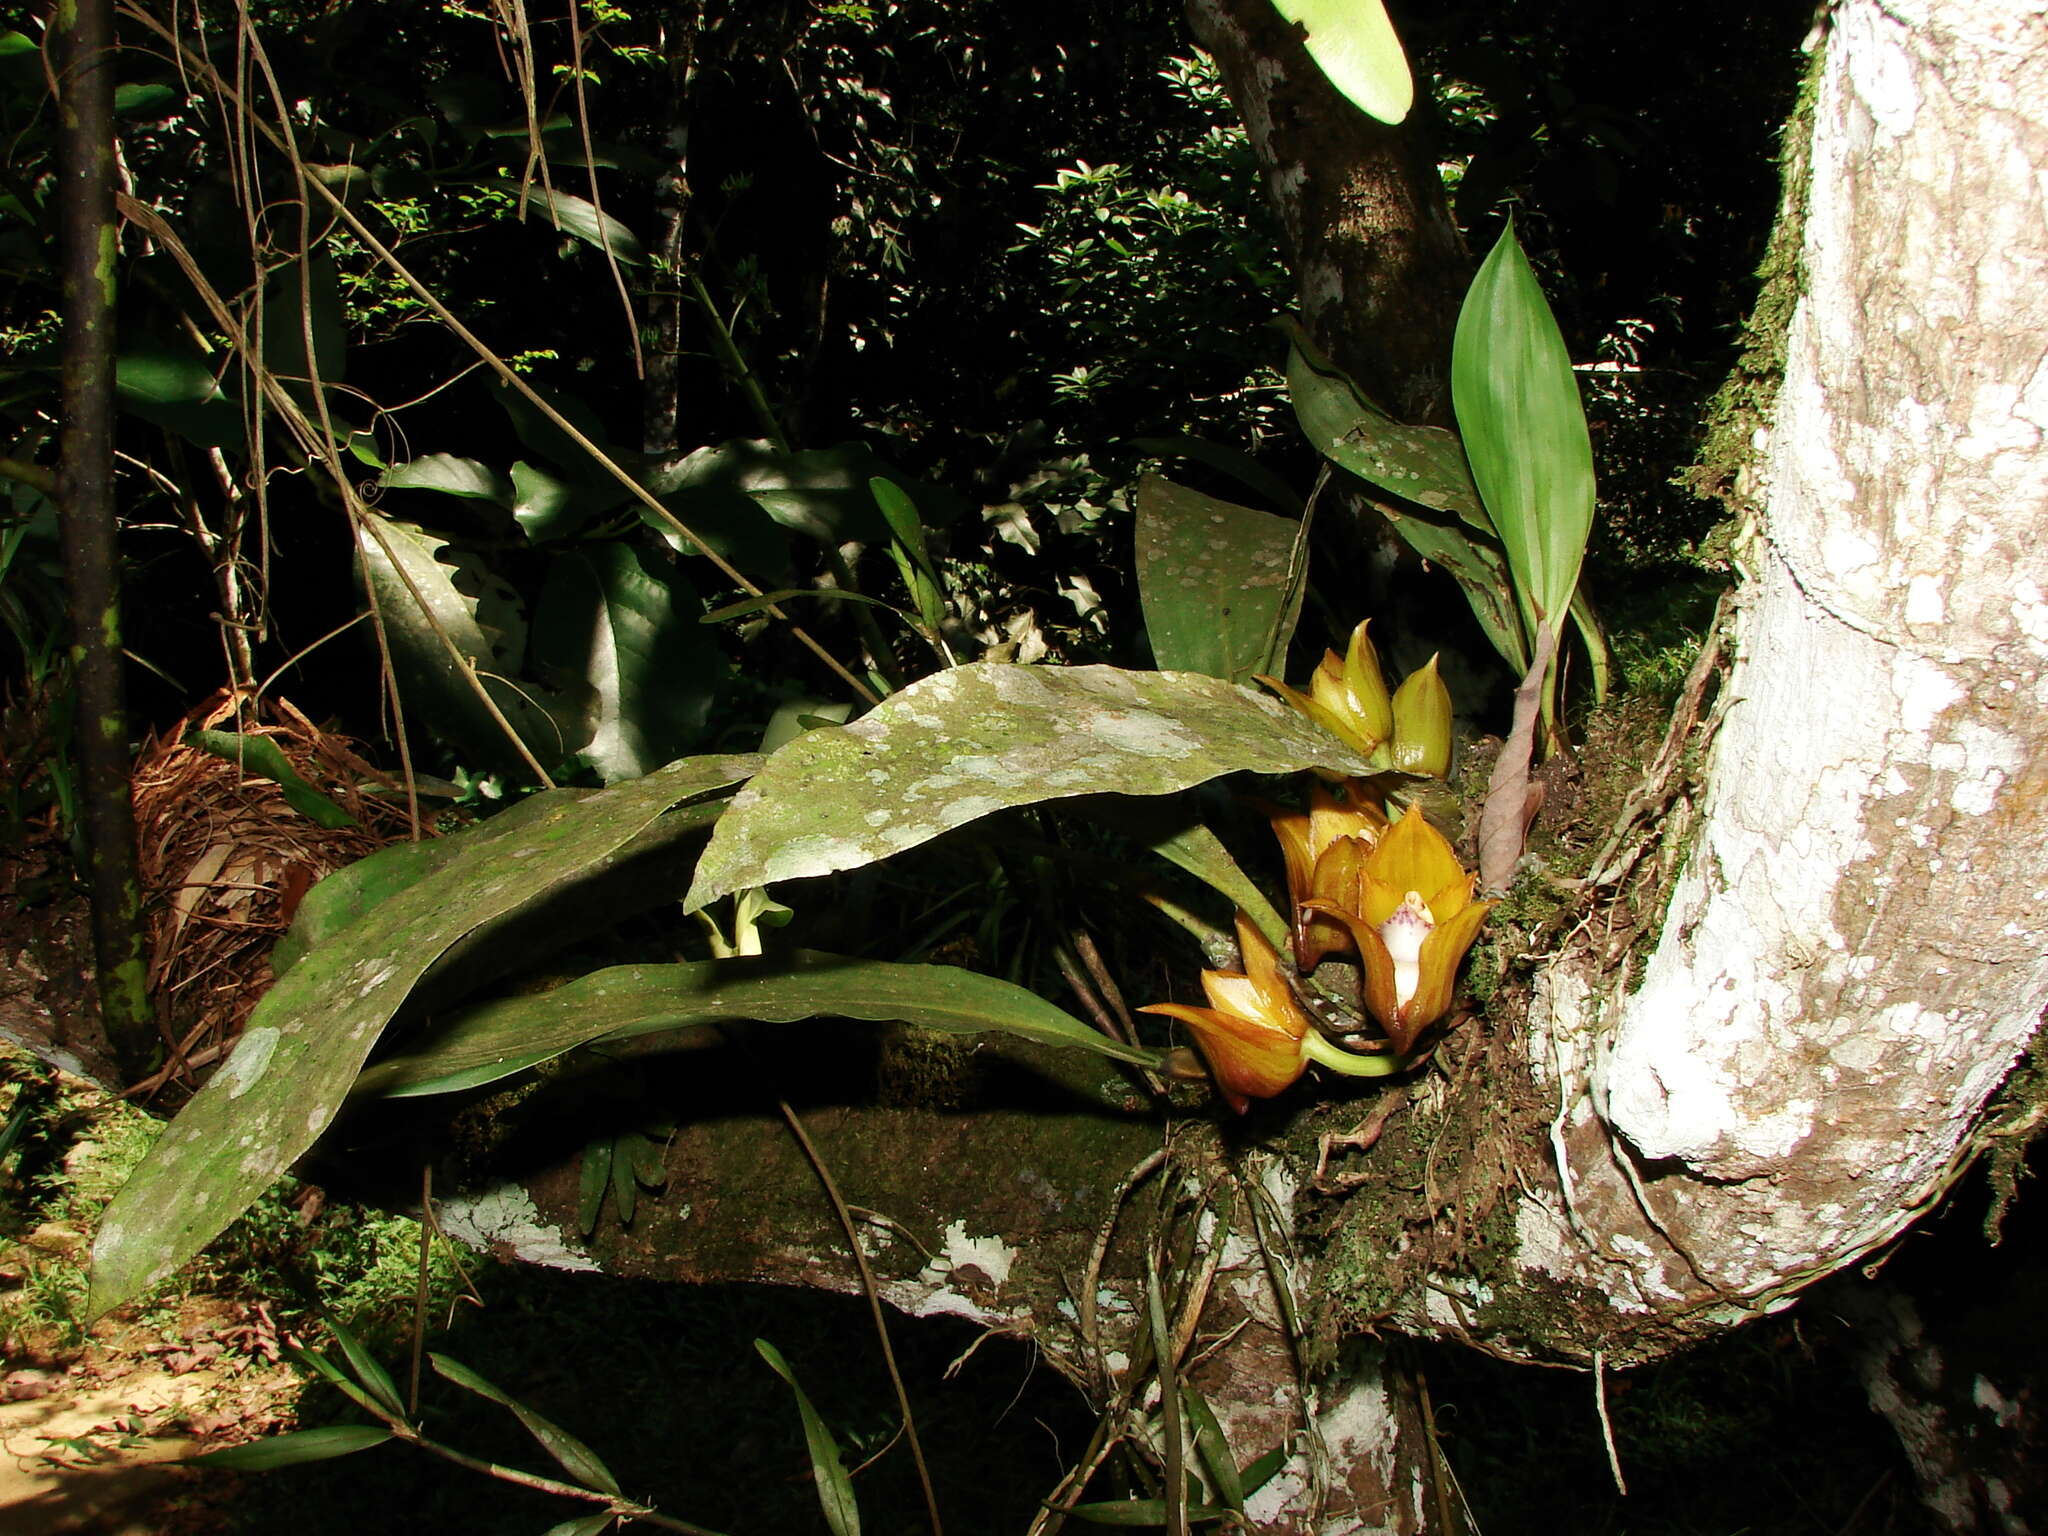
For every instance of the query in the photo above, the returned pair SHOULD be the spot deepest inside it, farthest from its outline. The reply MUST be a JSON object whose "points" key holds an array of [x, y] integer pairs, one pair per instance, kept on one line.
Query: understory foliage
{"points": [[663, 431]]}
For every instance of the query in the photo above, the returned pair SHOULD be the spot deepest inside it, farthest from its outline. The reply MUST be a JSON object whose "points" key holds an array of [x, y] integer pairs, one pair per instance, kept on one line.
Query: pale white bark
{"points": [[1857, 950]]}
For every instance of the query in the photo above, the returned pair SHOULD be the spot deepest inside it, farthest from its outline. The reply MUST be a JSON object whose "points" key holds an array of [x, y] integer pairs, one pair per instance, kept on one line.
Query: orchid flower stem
{"points": [[1349, 1063]]}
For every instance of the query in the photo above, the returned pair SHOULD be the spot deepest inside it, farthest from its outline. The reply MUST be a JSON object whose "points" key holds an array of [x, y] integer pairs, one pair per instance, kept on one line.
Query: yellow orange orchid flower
{"points": [[1324, 847], [1254, 1036], [1412, 922], [1346, 695]]}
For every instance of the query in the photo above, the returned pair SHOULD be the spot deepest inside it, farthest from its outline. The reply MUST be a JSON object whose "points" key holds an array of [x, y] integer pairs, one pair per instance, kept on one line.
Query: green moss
{"points": [[1746, 399]]}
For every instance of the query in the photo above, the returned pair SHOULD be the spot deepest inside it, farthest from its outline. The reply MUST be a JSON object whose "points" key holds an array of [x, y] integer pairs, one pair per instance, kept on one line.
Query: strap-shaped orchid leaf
{"points": [[1355, 46], [1524, 429], [309, 1037], [508, 1035], [965, 743]]}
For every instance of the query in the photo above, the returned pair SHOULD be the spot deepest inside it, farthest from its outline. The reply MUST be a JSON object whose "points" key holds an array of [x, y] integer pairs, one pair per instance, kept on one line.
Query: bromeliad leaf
{"points": [[961, 744], [1218, 582], [508, 1035], [309, 1036]]}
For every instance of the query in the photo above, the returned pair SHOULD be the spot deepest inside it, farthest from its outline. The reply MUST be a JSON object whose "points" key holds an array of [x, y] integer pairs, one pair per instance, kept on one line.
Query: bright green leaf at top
{"points": [[1355, 46], [1524, 430]]}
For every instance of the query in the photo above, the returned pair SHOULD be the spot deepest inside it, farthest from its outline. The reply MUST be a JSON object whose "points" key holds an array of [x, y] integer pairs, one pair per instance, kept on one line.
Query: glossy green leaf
{"points": [[582, 218], [1219, 583], [425, 612], [1524, 429], [171, 386], [835, 1487], [913, 559], [260, 757], [508, 1035], [1214, 1448], [1354, 44], [151, 99], [964, 743], [572, 1455], [294, 1449], [549, 507], [308, 1038], [471, 479], [1425, 465], [617, 632]]}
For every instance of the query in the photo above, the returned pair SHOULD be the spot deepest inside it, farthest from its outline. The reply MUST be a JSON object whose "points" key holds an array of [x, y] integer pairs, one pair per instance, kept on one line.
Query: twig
{"points": [[1606, 1424], [867, 1281]]}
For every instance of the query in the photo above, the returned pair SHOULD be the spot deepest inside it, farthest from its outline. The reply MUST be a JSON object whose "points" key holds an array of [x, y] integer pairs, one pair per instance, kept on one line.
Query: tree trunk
{"points": [[1727, 1084]]}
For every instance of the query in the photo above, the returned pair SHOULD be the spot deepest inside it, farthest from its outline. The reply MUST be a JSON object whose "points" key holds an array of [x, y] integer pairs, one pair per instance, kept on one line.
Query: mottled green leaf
{"points": [[1219, 583], [308, 1038], [1425, 465], [963, 743], [508, 1035]]}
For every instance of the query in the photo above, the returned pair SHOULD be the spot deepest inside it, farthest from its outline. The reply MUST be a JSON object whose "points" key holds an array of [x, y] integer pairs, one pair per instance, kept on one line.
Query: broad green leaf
{"points": [[170, 386], [822, 493], [1355, 46], [549, 507], [291, 1450], [471, 479], [153, 99], [582, 218], [1218, 582], [508, 1035], [961, 744], [618, 632], [401, 560], [572, 1455], [261, 757], [1425, 465], [308, 1038], [1524, 429], [835, 1488]]}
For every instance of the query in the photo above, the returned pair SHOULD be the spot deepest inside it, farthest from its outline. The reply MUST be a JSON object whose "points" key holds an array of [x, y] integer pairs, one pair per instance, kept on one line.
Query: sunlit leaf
{"points": [[582, 218], [373, 1377], [964, 743], [1524, 429], [451, 476], [1355, 46], [308, 1038], [1219, 583], [261, 757], [619, 633]]}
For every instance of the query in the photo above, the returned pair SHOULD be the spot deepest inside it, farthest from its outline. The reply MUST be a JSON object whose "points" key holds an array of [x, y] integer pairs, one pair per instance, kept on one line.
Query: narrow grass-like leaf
{"points": [[1524, 429], [1215, 580], [572, 1455], [593, 1183], [1355, 45], [1140, 1512], [620, 1002], [261, 757], [1214, 1447], [308, 1038], [977, 739], [294, 1449], [835, 1488], [749, 605], [584, 1525], [373, 1376]]}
